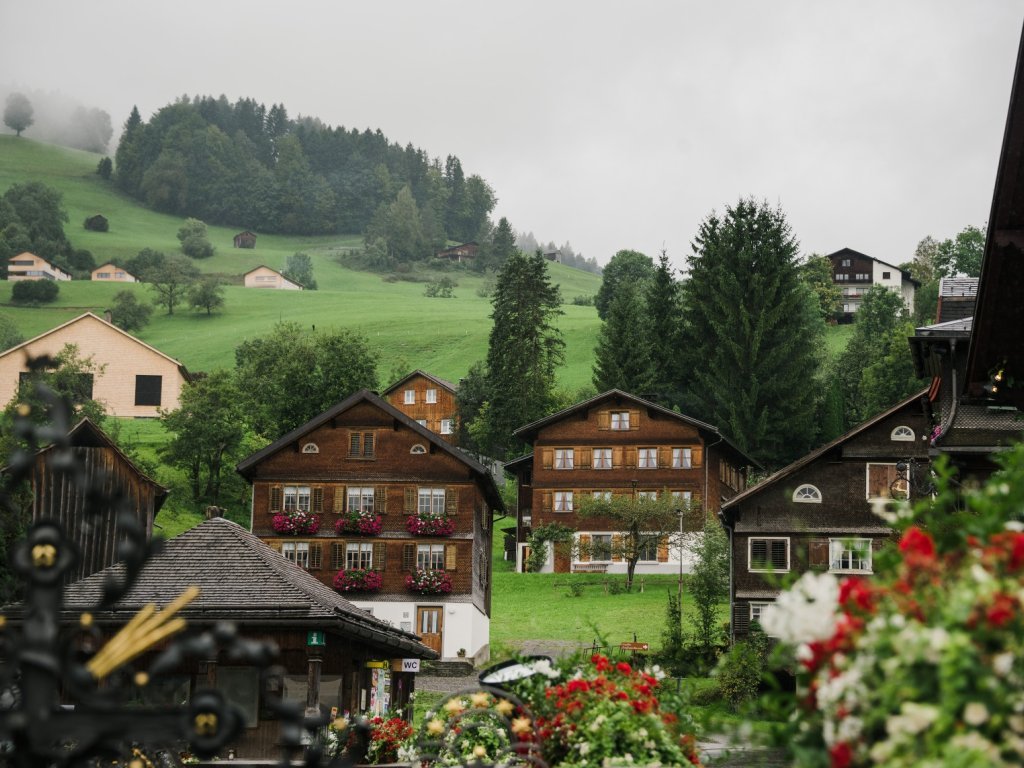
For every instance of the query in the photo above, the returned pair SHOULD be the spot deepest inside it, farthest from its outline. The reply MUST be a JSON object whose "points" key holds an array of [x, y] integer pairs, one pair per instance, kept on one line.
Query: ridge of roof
{"points": [[437, 380]]}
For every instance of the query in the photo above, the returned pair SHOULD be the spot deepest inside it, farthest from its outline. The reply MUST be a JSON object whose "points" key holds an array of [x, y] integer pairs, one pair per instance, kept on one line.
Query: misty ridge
{"points": [[60, 119]]}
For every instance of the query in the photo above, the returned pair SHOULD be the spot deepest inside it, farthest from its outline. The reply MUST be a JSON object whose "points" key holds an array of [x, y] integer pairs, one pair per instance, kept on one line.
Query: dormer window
{"points": [[807, 494], [902, 433]]}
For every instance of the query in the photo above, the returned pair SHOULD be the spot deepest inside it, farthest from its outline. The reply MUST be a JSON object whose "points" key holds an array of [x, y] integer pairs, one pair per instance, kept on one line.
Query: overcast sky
{"points": [[610, 125]]}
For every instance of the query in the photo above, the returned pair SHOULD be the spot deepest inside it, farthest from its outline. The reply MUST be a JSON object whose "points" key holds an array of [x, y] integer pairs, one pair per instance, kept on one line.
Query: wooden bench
{"points": [[590, 568]]}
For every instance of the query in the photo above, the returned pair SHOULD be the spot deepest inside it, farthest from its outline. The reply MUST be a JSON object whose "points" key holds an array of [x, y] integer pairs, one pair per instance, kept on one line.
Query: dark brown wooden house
{"points": [[245, 239], [56, 497], [854, 273], [366, 456], [617, 443], [427, 400], [334, 654], [459, 253], [817, 513], [97, 223]]}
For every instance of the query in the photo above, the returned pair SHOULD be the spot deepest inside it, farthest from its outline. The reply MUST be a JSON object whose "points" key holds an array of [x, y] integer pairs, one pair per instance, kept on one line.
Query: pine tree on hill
{"points": [[662, 333], [622, 357], [751, 334]]}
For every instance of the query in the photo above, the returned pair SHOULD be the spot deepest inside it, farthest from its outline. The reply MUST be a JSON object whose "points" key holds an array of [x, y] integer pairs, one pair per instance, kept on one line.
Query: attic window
{"points": [[417, 449], [902, 433], [807, 494], [311, 448]]}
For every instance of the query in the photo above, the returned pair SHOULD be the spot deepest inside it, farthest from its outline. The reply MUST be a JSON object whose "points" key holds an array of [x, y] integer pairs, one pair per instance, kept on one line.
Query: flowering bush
{"points": [[429, 582], [924, 664], [358, 580], [430, 524], [473, 727], [359, 521], [296, 522], [386, 737]]}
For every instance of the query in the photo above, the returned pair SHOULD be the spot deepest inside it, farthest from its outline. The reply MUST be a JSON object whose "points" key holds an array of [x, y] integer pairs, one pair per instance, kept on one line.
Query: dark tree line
{"points": [[243, 164]]}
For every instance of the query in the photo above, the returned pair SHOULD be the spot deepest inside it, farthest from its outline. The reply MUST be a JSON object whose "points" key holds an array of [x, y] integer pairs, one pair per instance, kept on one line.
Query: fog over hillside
{"points": [[60, 119]]}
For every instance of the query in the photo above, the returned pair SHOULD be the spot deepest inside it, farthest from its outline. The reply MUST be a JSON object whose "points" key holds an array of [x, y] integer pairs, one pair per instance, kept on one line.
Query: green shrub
{"points": [[34, 291], [740, 672], [616, 587], [443, 288], [576, 589], [706, 696], [583, 301]]}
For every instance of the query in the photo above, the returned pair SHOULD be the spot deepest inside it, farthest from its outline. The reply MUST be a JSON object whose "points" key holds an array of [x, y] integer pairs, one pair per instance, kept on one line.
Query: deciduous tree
{"points": [[171, 280], [128, 313], [18, 113], [816, 272], [624, 268], [194, 240], [207, 293], [299, 269], [962, 254]]}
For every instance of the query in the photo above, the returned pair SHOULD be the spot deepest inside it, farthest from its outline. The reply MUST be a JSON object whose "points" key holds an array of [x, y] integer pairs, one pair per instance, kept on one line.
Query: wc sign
{"points": [[410, 665]]}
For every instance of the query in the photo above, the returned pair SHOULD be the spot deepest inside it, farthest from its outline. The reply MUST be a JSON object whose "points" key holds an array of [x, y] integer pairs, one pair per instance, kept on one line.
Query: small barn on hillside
{"points": [[245, 239], [97, 223], [459, 253]]}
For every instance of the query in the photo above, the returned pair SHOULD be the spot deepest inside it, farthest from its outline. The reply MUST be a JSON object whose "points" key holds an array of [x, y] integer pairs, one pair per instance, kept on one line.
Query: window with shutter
{"points": [[603, 420], [884, 481], [368, 445], [380, 499], [768, 554], [817, 553], [583, 458], [354, 443], [584, 548], [275, 498], [318, 499], [451, 501], [663, 549], [547, 456], [379, 555], [337, 555], [409, 506], [314, 556], [451, 553], [339, 499], [408, 557]]}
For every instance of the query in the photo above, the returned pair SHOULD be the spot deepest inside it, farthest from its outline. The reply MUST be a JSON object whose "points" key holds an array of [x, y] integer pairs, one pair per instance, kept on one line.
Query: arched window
{"points": [[902, 433], [807, 494], [417, 449], [311, 448]]}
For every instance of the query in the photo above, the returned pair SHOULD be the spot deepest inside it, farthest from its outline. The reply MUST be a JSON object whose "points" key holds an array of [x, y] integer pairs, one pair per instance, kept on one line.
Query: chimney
{"points": [[108, 316]]}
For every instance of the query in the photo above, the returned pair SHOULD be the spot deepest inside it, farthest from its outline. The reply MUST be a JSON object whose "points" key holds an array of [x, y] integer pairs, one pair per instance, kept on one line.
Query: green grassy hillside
{"points": [[443, 336]]}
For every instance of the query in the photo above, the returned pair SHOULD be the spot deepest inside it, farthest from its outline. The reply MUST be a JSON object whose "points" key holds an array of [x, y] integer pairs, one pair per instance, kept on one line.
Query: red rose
{"points": [[1001, 611], [856, 592], [917, 547], [841, 755], [624, 668]]}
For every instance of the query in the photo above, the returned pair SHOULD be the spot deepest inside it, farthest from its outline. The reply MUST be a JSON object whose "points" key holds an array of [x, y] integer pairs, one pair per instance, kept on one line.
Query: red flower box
{"points": [[296, 523], [365, 523], [358, 580], [429, 582], [430, 524]]}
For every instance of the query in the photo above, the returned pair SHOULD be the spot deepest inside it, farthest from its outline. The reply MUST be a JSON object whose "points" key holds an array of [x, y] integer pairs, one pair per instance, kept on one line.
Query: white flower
{"points": [[975, 713], [1016, 722], [975, 742], [1014, 525], [543, 667], [806, 612], [913, 719], [583, 747], [1002, 664], [979, 574]]}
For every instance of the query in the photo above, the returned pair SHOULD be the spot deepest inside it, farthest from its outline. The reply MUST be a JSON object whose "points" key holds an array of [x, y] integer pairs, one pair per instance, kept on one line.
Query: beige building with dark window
{"points": [[111, 273], [28, 266]]}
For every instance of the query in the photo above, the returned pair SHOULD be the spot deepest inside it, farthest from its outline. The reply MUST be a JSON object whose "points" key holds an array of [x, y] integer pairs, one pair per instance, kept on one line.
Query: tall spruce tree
{"points": [[751, 335], [622, 358], [524, 350], [663, 307]]}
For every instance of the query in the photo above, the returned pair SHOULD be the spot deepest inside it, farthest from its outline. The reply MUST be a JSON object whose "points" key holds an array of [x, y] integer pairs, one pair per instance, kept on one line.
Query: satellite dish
{"points": [[510, 671]]}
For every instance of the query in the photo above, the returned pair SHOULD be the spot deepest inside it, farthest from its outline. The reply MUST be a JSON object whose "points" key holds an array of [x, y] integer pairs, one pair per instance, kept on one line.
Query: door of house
{"points": [[429, 624]]}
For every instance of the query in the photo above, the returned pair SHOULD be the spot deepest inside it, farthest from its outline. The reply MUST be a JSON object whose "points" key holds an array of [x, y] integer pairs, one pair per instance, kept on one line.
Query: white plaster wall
{"points": [[675, 554], [464, 625]]}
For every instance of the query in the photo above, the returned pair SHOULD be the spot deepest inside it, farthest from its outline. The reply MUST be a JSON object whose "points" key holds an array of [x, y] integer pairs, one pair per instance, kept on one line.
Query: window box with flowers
{"points": [[429, 582], [295, 522], [363, 521], [430, 524], [358, 580]]}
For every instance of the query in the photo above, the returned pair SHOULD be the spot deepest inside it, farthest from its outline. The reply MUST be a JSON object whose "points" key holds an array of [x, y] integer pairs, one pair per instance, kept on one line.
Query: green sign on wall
{"points": [[315, 638]]}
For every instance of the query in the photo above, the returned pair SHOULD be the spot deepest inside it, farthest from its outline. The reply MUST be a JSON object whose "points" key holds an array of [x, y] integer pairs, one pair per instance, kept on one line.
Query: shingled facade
{"points": [[427, 400], [364, 456], [816, 514]]}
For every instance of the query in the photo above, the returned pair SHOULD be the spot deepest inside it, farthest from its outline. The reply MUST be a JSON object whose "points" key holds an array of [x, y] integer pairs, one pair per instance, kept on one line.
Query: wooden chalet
{"points": [[334, 654], [459, 253], [816, 514], [244, 239], [365, 456], [855, 272], [428, 400], [617, 443]]}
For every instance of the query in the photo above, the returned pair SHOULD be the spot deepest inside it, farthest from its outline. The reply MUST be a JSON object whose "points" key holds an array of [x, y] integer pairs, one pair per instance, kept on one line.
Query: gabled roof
{"points": [[958, 286], [419, 372], [243, 580], [113, 327], [526, 460], [802, 462], [112, 265], [247, 466], [270, 269], [246, 232], [529, 431], [906, 275]]}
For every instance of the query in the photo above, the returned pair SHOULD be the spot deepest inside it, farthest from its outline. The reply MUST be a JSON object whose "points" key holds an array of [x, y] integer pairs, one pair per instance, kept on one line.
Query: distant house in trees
{"points": [[855, 273], [135, 378], [28, 266], [365, 458], [97, 223], [618, 444], [555, 256], [111, 273], [957, 296], [56, 497], [245, 239], [816, 514], [427, 400], [265, 277], [459, 253]]}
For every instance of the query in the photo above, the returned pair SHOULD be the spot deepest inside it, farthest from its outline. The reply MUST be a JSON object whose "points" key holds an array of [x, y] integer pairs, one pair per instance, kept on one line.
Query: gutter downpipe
{"points": [[955, 396]]}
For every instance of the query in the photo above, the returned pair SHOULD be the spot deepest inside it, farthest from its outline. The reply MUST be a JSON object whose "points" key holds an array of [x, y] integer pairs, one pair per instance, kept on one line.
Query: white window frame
{"points": [[422, 422], [844, 263], [653, 495], [602, 458], [418, 449], [647, 541], [446, 426], [430, 557], [756, 612], [807, 494], [867, 479], [837, 547], [297, 552], [601, 495], [619, 420], [682, 458], [565, 458], [563, 501], [593, 547], [431, 395], [646, 458], [410, 397], [359, 555], [430, 501], [363, 498], [750, 547], [296, 498], [311, 448], [902, 433]]}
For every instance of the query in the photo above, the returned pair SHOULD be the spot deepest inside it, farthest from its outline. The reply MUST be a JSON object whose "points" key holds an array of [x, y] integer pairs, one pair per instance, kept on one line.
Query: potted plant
{"points": [[358, 580], [364, 522], [429, 582], [430, 524], [296, 522]]}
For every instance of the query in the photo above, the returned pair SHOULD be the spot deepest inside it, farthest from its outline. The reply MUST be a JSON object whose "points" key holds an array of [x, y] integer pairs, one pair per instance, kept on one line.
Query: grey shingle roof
{"points": [[243, 580], [958, 286]]}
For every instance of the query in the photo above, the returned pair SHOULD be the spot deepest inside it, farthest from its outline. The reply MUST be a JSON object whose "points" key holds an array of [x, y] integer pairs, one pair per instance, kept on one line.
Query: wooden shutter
{"points": [[353, 443], [451, 556], [275, 498], [314, 556], [758, 554], [817, 553], [547, 457], [616, 547], [339, 499], [877, 544], [379, 555], [634, 420], [408, 557], [880, 480], [604, 420], [584, 548], [318, 499], [741, 618], [696, 456], [368, 444], [380, 499], [780, 554], [663, 549], [616, 457], [451, 501], [410, 500], [583, 456], [275, 545], [664, 457], [546, 505], [631, 457], [337, 555]]}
